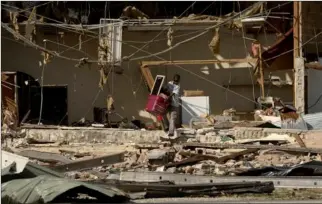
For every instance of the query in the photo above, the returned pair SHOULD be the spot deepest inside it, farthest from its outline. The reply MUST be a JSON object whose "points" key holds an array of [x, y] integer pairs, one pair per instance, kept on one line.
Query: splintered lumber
{"points": [[187, 62], [218, 159], [242, 146], [91, 163]]}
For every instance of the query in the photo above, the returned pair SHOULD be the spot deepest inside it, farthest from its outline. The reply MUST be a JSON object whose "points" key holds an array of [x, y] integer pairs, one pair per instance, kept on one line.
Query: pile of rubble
{"points": [[226, 156], [199, 162]]}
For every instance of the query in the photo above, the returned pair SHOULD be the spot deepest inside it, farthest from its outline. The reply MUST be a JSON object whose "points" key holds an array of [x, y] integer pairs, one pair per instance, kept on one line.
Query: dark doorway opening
{"points": [[54, 111]]}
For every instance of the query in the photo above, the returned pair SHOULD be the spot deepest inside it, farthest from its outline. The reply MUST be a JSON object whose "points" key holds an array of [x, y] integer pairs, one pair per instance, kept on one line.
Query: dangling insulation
{"points": [[170, 37], [214, 45]]}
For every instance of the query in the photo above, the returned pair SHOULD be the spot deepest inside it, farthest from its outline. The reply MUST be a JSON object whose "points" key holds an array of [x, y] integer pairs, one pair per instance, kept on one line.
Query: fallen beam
{"points": [[91, 163], [201, 157], [130, 187], [242, 146], [190, 62], [279, 182], [189, 161], [44, 156]]}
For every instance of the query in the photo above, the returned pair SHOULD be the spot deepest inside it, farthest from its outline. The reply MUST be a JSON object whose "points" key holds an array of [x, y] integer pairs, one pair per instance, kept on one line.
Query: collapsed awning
{"points": [[280, 55], [46, 189]]}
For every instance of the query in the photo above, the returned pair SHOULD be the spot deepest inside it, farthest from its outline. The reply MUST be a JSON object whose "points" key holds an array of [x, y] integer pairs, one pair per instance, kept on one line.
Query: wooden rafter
{"points": [[146, 65], [191, 62]]}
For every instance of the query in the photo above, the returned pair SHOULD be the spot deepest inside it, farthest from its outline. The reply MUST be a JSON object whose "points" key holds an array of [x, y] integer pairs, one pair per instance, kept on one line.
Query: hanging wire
{"points": [[246, 54], [187, 40], [207, 8], [42, 87], [206, 79], [72, 28], [317, 46]]}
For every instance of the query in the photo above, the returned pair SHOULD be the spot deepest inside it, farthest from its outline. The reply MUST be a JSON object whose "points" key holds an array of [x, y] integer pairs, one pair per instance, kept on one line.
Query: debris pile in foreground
{"points": [[224, 165]]}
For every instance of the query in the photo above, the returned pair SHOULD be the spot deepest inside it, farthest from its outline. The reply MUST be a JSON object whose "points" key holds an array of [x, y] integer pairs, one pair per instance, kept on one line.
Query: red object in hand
{"points": [[159, 117], [157, 105]]}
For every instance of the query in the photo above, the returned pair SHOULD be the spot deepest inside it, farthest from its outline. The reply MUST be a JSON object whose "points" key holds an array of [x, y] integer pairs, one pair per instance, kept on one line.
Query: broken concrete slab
{"points": [[95, 135], [118, 136]]}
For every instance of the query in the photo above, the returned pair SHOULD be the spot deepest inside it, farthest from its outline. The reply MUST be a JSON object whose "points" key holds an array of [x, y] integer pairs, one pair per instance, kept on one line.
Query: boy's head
{"points": [[176, 78]]}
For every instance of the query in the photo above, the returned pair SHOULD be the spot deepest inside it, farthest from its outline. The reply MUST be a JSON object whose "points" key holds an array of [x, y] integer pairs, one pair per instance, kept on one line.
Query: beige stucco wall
{"points": [[129, 91]]}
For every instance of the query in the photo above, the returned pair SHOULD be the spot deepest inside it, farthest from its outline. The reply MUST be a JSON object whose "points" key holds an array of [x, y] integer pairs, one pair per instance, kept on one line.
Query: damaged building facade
{"points": [[75, 84], [250, 105]]}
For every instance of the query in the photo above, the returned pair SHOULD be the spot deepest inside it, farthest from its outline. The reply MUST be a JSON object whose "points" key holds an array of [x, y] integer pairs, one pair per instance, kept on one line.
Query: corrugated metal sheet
{"points": [[45, 189], [313, 122]]}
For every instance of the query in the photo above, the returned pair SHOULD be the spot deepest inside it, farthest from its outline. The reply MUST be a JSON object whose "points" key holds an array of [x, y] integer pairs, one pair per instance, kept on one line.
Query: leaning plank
{"points": [[241, 146], [44, 156], [55, 158], [189, 161], [236, 154], [91, 163], [299, 140]]}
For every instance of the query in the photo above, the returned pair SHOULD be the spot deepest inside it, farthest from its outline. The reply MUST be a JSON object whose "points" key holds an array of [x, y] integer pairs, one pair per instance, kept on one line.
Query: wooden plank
{"points": [[299, 140], [189, 161], [147, 76], [90, 163], [261, 72], [44, 156], [239, 146], [191, 62], [218, 159]]}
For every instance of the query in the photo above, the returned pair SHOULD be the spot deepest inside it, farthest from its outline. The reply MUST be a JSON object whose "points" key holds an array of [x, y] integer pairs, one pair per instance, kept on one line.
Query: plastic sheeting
{"points": [[45, 189]]}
